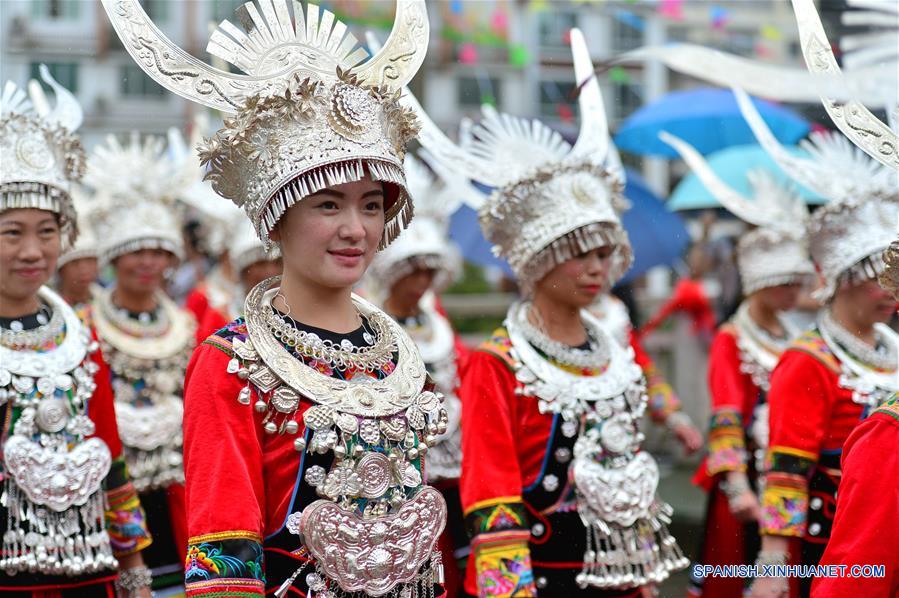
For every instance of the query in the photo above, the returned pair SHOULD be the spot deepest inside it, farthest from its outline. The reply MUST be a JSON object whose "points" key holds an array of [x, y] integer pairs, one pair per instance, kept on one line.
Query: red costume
{"points": [[811, 416], [735, 397], [865, 528], [525, 531]]}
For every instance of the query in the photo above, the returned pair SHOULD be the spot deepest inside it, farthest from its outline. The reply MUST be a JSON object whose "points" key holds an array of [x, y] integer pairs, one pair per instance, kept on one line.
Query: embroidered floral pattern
{"points": [[505, 570], [727, 447], [890, 408], [496, 515], [224, 558], [785, 499]]}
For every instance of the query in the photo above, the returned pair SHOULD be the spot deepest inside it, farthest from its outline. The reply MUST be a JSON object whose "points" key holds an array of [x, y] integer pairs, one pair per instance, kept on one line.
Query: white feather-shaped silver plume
{"points": [[276, 42], [773, 205], [871, 48], [504, 148], [66, 112], [14, 100], [135, 172], [835, 169]]}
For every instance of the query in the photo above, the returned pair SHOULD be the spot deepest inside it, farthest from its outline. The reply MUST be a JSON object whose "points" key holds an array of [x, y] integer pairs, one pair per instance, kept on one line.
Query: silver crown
{"points": [[135, 187], [774, 254], [552, 200], [859, 221], [39, 151], [307, 114]]}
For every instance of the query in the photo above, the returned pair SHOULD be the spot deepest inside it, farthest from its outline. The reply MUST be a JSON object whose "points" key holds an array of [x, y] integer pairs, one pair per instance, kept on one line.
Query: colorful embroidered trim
{"points": [[216, 562], [890, 408], [727, 446], [126, 522], [785, 499], [810, 342], [223, 339], [504, 570], [226, 588], [496, 515], [663, 401], [500, 346]]}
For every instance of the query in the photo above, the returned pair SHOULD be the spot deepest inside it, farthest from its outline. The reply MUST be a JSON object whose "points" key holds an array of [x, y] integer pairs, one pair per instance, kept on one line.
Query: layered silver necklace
{"points": [[595, 357], [869, 372], [51, 327], [759, 349], [344, 355], [378, 430]]}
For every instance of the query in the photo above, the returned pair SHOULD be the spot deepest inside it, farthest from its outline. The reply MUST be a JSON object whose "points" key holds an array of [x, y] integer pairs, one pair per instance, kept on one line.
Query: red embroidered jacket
{"points": [[865, 529], [811, 417]]}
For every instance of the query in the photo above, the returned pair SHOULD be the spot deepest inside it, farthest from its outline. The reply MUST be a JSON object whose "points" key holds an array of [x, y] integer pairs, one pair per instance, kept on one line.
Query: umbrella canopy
{"points": [[732, 165], [708, 119], [658, 237]]}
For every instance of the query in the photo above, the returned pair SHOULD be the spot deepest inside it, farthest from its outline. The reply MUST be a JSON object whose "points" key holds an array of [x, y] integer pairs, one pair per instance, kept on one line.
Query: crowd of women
{"points": [[308, 423]]}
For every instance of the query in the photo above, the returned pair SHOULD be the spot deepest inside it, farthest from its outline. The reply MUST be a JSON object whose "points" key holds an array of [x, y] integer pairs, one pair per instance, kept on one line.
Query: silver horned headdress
{"points": [[425, 243], [552, 200], [776, 252], [848, 235], [135, 186], [308, 112], [41, 155]]}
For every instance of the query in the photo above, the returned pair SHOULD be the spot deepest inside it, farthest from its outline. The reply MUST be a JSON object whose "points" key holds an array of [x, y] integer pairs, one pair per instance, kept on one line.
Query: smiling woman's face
{"points": [[329, 238], [30, 244]]}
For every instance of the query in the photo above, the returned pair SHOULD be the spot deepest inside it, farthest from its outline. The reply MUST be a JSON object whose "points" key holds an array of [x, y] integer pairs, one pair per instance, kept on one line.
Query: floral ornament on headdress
{"points": [[308, 113], [40, 153]]}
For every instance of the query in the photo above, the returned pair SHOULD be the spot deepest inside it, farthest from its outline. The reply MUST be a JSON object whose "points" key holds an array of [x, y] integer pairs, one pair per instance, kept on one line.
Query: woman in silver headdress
{"points": [[146, 338], [774, 266], [307, 421], [69, 516], [837, 373], [559, 498]]}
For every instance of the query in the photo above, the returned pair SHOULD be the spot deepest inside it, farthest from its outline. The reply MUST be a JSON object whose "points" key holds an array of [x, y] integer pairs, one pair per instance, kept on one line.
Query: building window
{"points": [[474, 91], [627, 34], [55, 9], [136, 84], [628, 97], [554, 27], [65, 73], [557, 101]]}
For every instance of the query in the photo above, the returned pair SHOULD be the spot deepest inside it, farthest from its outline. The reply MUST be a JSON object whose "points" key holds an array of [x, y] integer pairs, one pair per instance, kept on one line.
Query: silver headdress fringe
{"points": [[575, 243], [397, 215]]}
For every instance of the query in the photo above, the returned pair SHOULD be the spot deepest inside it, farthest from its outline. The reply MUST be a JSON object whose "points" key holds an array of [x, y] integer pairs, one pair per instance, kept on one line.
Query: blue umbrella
{"points": [[657, 239], [732, 165], [708, 119], [657, 236]]}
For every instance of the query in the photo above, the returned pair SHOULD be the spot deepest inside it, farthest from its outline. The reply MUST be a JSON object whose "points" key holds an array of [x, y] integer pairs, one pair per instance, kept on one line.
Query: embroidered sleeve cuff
{"points": [[126, 523], [662, 399], [727, 448], [504, 568], [502, 515], [225, 564], [785, 498]]}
